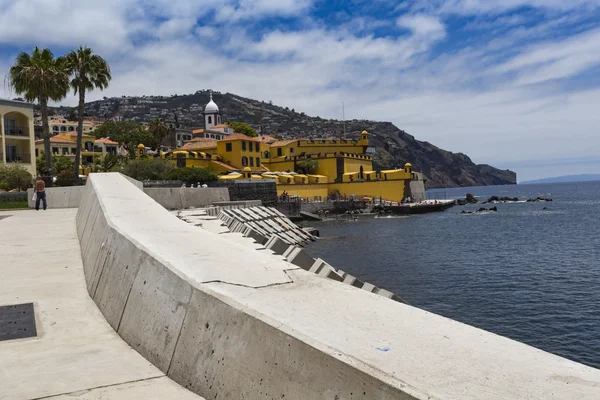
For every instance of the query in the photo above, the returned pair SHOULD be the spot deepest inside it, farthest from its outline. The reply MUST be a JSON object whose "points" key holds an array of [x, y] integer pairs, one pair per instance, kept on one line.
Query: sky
{"points": [[511, 83]]}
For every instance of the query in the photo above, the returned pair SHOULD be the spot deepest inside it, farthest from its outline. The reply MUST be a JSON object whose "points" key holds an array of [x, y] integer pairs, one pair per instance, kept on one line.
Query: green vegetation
{"points": [[14, 176], [242, 128], [89, 71], [150, 169], [307, 166], [158, 130], [110, 162], [40, 77], [13, 205], [191, 175], [127, 133]]}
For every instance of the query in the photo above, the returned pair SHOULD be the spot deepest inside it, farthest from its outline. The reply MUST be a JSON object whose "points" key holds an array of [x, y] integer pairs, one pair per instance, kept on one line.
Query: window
{"points": [[37, 153], [243, 146], [218, 119], [63, 129], [251, 162], [89, 146], [244, 161], [71, 129], [55, 128], [65, 150], [227, 146], [257, 162], [292, 150], [266, 155], [73, 150], [209, 119], [250, 148], [279, 152], [10, 126], [55, 150]]}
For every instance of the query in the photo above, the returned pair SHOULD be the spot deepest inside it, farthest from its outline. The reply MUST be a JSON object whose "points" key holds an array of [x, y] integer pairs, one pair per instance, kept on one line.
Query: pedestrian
{"points": [[40, 193]]}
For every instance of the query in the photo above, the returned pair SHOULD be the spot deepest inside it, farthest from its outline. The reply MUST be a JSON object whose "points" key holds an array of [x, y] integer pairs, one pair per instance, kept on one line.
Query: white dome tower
{"points": [[212, 115]]}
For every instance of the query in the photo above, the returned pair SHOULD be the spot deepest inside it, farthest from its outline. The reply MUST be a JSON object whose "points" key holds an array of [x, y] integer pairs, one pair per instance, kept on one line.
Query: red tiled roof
{"points": [[198, 131], [56, 139], [200, 143], [221, 126], [267, 138], [226, 166], [282, 143], [240, 136], [106, 141]]}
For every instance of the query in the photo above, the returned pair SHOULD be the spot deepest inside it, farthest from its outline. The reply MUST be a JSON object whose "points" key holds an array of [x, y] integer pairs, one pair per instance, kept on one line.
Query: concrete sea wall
{"points": [[180, 198], [226, 321], [59, 197], [169, 198]]}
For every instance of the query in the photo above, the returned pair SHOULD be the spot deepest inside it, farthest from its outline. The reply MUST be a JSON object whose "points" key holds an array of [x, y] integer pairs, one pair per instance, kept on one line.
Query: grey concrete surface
{"points": [[256, 326], [59, 197], [76, 354]]}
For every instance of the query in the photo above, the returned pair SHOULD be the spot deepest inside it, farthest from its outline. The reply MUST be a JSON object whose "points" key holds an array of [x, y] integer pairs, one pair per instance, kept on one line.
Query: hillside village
{"points": [[394, 147]]}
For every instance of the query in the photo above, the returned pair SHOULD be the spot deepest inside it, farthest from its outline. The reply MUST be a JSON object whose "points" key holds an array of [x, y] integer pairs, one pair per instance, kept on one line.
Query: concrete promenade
{"points": [[76, 354]]}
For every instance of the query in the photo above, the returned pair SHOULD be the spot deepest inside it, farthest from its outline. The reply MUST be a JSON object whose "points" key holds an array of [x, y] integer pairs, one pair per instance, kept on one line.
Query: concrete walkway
{"points": [[76, 355]]}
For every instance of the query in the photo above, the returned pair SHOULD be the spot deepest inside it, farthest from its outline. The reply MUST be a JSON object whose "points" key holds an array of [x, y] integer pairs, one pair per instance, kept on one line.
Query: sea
{"points": [[530, 271]]}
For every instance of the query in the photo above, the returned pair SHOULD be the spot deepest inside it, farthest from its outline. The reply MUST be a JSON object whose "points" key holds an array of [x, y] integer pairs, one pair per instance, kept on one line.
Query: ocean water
{"points": [[527, 273]]}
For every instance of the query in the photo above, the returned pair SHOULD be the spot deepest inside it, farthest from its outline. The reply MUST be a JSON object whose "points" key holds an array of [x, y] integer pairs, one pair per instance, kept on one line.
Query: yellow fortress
{"points": [[338, 166]]}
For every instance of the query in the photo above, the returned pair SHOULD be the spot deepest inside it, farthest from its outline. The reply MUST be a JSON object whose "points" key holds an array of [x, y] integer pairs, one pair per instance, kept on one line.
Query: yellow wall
{"points": [[234, 157], [388, 190], [23, 138], [305, 191]]}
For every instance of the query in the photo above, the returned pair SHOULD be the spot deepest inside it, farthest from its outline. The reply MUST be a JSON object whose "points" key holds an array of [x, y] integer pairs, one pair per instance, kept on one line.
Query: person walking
{"points": [[40, 193]]}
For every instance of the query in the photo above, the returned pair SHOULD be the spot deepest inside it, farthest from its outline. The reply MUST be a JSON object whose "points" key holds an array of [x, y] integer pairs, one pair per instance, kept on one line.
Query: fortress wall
{"points": [[226, 321]]}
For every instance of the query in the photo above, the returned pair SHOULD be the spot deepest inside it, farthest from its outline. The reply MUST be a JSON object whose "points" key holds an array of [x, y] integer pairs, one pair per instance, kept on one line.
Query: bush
{"points": [[14, 176], [148, 170], [64, 178], [191, 175]]}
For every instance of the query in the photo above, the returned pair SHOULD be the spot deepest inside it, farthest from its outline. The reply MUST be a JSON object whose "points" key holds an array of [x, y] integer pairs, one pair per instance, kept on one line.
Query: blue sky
{"points": [[512, 83]]}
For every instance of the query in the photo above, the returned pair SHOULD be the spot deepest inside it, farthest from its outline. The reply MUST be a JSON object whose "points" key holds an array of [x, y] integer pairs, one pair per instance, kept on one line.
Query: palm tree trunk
{"points": [[46, 134], [79, 134]]}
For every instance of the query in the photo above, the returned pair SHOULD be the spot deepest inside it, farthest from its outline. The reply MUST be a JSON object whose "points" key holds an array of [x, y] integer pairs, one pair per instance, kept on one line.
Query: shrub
{"points": [[148, 170], [64, 178], [191, 175], [14, 176]]}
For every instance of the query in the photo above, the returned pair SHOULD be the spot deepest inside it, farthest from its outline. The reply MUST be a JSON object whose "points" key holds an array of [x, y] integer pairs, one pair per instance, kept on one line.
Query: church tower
{"points": [[212, 116]]}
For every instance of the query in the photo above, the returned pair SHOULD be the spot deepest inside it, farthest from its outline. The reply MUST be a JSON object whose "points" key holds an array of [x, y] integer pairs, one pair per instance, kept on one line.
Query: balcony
{"points": [[17, 131], [17, 157]]}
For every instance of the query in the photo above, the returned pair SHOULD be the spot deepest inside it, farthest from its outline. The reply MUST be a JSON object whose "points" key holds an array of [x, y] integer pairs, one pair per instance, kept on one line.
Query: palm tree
{"points": [[89, 71], [40, 77], [159, 130]]}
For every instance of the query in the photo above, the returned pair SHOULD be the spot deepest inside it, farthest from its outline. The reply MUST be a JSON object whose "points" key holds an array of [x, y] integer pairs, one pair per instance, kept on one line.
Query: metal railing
{"points": [[16, 131], [19, 158]]}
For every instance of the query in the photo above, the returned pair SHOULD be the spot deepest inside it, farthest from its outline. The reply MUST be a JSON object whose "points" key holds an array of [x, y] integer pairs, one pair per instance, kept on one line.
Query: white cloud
{"points": [[422, 25], [477, 99]]}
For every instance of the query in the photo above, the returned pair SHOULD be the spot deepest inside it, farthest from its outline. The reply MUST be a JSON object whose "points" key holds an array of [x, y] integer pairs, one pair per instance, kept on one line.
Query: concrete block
{"points": [[369, 287], [301, 259], [277, 245]]}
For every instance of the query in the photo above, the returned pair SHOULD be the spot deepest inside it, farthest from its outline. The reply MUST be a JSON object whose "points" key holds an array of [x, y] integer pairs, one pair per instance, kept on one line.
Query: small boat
{"points": [[416, 208]]}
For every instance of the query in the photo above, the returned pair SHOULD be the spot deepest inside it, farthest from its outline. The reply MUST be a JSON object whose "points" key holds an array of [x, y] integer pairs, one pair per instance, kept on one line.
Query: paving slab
{"points": [[76, 353]]}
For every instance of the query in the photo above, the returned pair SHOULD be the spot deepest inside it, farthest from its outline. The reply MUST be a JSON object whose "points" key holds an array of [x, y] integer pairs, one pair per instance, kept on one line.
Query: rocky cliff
{"points": [[394, 146]]}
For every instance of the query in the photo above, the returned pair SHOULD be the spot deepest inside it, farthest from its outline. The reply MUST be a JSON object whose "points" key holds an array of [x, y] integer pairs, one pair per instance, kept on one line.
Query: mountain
{"points": [[566, 178], [394, 146]]}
